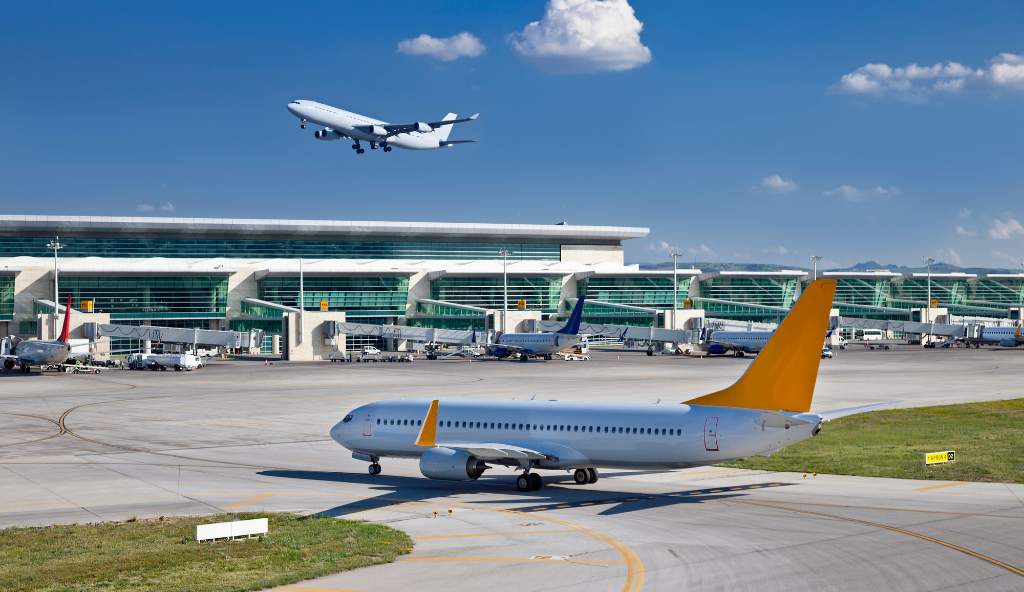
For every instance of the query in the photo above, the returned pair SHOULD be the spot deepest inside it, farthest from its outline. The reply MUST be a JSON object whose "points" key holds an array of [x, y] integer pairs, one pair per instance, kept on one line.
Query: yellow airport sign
{"points": [[521, 305], [939, 458], [324, 307]]}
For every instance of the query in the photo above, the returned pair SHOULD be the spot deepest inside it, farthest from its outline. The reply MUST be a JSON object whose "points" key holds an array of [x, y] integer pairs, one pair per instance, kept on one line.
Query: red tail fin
{"points": [[67, 321]]}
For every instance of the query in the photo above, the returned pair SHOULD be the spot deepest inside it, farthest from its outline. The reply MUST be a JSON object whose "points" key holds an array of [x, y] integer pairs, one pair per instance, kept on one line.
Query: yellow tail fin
{"points": [[782, 376], [428, 432]]}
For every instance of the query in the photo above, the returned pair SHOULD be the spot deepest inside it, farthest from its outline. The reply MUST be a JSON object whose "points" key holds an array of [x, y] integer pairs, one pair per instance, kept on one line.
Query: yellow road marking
{"points": [[940, 486], [248, 501], [502, 559], [471, 535], [896, 529]]}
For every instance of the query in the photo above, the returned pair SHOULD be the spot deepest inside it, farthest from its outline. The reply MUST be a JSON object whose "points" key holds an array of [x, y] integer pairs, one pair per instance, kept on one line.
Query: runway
{"points": [[245, 437]]}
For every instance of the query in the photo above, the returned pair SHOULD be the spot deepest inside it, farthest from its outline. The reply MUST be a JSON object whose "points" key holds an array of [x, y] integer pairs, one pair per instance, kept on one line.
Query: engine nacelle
{"points": [[717, 349], [423, 127], [1008, 343], [451, 465], [326, 134], [378, 130]]}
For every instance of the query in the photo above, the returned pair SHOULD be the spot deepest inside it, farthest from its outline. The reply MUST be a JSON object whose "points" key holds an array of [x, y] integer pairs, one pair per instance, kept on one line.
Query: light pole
{"points": [[504, 275], [928, 262], [814, 262], [56, 245], [302, 301], [675, 283]]}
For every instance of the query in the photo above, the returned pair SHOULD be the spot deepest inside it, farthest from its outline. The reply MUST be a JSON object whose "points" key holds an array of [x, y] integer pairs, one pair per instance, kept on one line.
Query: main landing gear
{"points": [[529, 482], [374, 469], [358, 148], [585, 476]]}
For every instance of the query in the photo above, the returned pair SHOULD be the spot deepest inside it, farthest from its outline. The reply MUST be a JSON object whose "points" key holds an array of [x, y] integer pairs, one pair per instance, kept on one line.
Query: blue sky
{"points": [[728, 128]]}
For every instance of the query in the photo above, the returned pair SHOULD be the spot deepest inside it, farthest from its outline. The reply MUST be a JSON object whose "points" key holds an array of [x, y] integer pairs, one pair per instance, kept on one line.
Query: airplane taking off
{"points": [[338, 123], [764, 411], [39, 352], [525, 345]]}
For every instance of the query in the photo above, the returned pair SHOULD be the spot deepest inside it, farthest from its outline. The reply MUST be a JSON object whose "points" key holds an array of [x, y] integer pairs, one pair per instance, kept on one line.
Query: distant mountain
{"points": [[938, 267]]}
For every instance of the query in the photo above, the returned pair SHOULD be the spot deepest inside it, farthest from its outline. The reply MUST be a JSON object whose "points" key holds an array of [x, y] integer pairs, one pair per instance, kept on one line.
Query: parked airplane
{"points": [[1004, 336], [738, 342], [525, 345], [38, 352], [765, 410], [339, 123]]}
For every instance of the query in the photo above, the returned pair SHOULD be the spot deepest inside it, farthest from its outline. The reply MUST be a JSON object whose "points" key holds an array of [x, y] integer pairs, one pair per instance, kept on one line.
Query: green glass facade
{"points": [[6, 297], [867, 298], [91, 246], [648, 292], [358, 296], [149, 297], [446, 317], [541, 293], [269, 327], [764, 291], [1007, 292]]}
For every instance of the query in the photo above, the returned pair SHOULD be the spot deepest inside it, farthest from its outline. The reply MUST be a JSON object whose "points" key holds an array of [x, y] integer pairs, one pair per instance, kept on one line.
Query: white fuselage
{"points": [[354, 125], [534, 344], [35, 352], [1005, 336], [577, 434], [745, 341]]}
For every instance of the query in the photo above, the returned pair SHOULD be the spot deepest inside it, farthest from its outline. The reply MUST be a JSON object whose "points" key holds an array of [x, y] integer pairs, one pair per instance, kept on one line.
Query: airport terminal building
{"points": [[239, 274]]}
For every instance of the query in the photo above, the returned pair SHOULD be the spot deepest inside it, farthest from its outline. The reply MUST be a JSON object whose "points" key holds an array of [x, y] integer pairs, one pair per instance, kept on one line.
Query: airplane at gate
{"points": [[546, 345], [767, 409], [338, 123], [40, 352]]}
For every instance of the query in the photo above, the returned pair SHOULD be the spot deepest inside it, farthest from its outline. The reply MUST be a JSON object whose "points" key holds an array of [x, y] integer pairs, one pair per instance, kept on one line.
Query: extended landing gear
{"points": [[302, 124], [529, 482], [373, 145], [739, 354], [585, 476], [524, 358], [547, 356], [386, 148], [374, 469], [358, 148]]}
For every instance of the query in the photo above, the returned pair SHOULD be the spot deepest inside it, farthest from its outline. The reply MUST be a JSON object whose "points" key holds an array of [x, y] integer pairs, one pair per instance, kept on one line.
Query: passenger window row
{"points": [[476, 425]]}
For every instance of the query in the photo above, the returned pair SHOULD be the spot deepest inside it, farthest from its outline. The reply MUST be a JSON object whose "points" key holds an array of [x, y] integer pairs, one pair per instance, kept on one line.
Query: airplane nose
{"points": [[338, 433], [293, 107]]}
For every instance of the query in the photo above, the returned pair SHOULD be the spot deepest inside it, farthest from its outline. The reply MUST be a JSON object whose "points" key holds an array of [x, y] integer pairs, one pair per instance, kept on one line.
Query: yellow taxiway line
{"points": [[940, 486]]}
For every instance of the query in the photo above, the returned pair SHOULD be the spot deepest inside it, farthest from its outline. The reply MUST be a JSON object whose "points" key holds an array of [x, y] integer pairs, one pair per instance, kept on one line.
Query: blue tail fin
{"points": [[572, 326]]}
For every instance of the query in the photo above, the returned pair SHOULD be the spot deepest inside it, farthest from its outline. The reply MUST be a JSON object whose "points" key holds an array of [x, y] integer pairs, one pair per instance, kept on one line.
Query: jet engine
{"points": [[326, 134], [1009, 343], [716, 349], [423, 127], [451, 465], [378, 130]]}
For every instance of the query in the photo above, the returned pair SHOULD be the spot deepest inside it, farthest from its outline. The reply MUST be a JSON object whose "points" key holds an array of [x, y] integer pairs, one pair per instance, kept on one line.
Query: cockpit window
{"points": [[347, 419]]}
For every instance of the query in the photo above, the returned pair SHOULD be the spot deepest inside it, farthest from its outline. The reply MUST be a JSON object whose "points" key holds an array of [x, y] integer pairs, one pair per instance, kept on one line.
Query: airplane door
{"points": [[711, 434], [368, 425]]}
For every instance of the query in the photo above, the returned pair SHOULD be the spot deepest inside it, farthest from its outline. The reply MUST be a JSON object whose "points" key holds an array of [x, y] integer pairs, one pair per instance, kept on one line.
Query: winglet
{"points": [[572, 326], [782, 376], [428, 433], [473, 116], [67, 321]]}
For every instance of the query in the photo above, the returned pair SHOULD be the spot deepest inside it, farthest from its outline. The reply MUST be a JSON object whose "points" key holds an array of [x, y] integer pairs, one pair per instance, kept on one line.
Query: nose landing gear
{"points": [[302, 124]]}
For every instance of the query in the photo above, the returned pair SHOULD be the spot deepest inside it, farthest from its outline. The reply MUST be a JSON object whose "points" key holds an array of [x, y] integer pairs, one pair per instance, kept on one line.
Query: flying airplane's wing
{"points": [[393, 129], [454, 142]]}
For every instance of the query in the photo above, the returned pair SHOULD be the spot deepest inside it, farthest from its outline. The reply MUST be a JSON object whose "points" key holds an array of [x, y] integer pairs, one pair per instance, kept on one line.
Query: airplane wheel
{"points": [[739, 354], [581, 476], [360, 151], [547, 356], [374, 469], [387, 149], [535, 481], [593, 475], [523, 483]]}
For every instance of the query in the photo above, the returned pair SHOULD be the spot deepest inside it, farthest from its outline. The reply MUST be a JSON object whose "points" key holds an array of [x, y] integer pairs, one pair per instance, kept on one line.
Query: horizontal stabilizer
{"points": [[769, 419], [837, 413], [454, 142]]}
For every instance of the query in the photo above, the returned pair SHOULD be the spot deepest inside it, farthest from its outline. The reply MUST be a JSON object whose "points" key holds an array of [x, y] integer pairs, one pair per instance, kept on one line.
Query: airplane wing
{"points": [[495, 451], [394, 129], [454, 142]]}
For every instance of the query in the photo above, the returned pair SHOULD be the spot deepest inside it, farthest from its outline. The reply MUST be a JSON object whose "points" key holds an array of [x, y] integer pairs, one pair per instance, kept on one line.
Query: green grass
{"points": [[156, 555], [988, 439]]}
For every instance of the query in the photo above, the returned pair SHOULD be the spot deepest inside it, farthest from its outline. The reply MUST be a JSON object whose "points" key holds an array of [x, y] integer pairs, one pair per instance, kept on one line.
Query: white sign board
{"points": [[227, 530]]}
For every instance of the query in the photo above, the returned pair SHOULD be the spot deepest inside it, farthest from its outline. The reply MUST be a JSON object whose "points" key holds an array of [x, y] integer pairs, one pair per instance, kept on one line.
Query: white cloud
{"points": [[964, 214], [445, 49], [916, 83], [1005, 229], [1014, 259], [950, 256], [776, 250], [164, 207], [701, 249], [776, 184], [584, 36], [855, 194], [966, 232]]}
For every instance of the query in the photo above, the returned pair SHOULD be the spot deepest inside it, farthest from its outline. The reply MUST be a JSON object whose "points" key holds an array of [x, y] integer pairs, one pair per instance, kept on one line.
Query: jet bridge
{"points": [[403, 332], [939, 329], [203, 337]]}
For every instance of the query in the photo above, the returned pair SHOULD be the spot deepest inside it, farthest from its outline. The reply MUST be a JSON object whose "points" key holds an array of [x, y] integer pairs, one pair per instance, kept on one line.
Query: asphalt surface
{"points": [[241, 436]]}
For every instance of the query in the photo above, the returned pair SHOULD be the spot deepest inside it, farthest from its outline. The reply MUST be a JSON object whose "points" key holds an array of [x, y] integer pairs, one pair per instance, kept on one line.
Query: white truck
{"points": [[179, 362]]}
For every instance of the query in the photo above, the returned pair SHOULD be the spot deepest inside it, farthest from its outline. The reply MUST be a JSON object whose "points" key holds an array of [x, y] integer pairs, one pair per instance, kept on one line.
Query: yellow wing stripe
{"points": [[428, 432], [782, 376]]}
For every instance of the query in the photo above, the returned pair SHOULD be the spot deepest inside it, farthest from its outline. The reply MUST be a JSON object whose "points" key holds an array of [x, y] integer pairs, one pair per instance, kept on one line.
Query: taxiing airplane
{"points": [[525, 345], [41, 352], [764, 411], [338, 123]]}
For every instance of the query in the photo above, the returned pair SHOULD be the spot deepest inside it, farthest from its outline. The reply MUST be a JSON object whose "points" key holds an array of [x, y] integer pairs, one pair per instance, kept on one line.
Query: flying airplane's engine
{"points": [[423, 127], [1008, 343], [451, 465], [378, 130], [326, 134]]}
